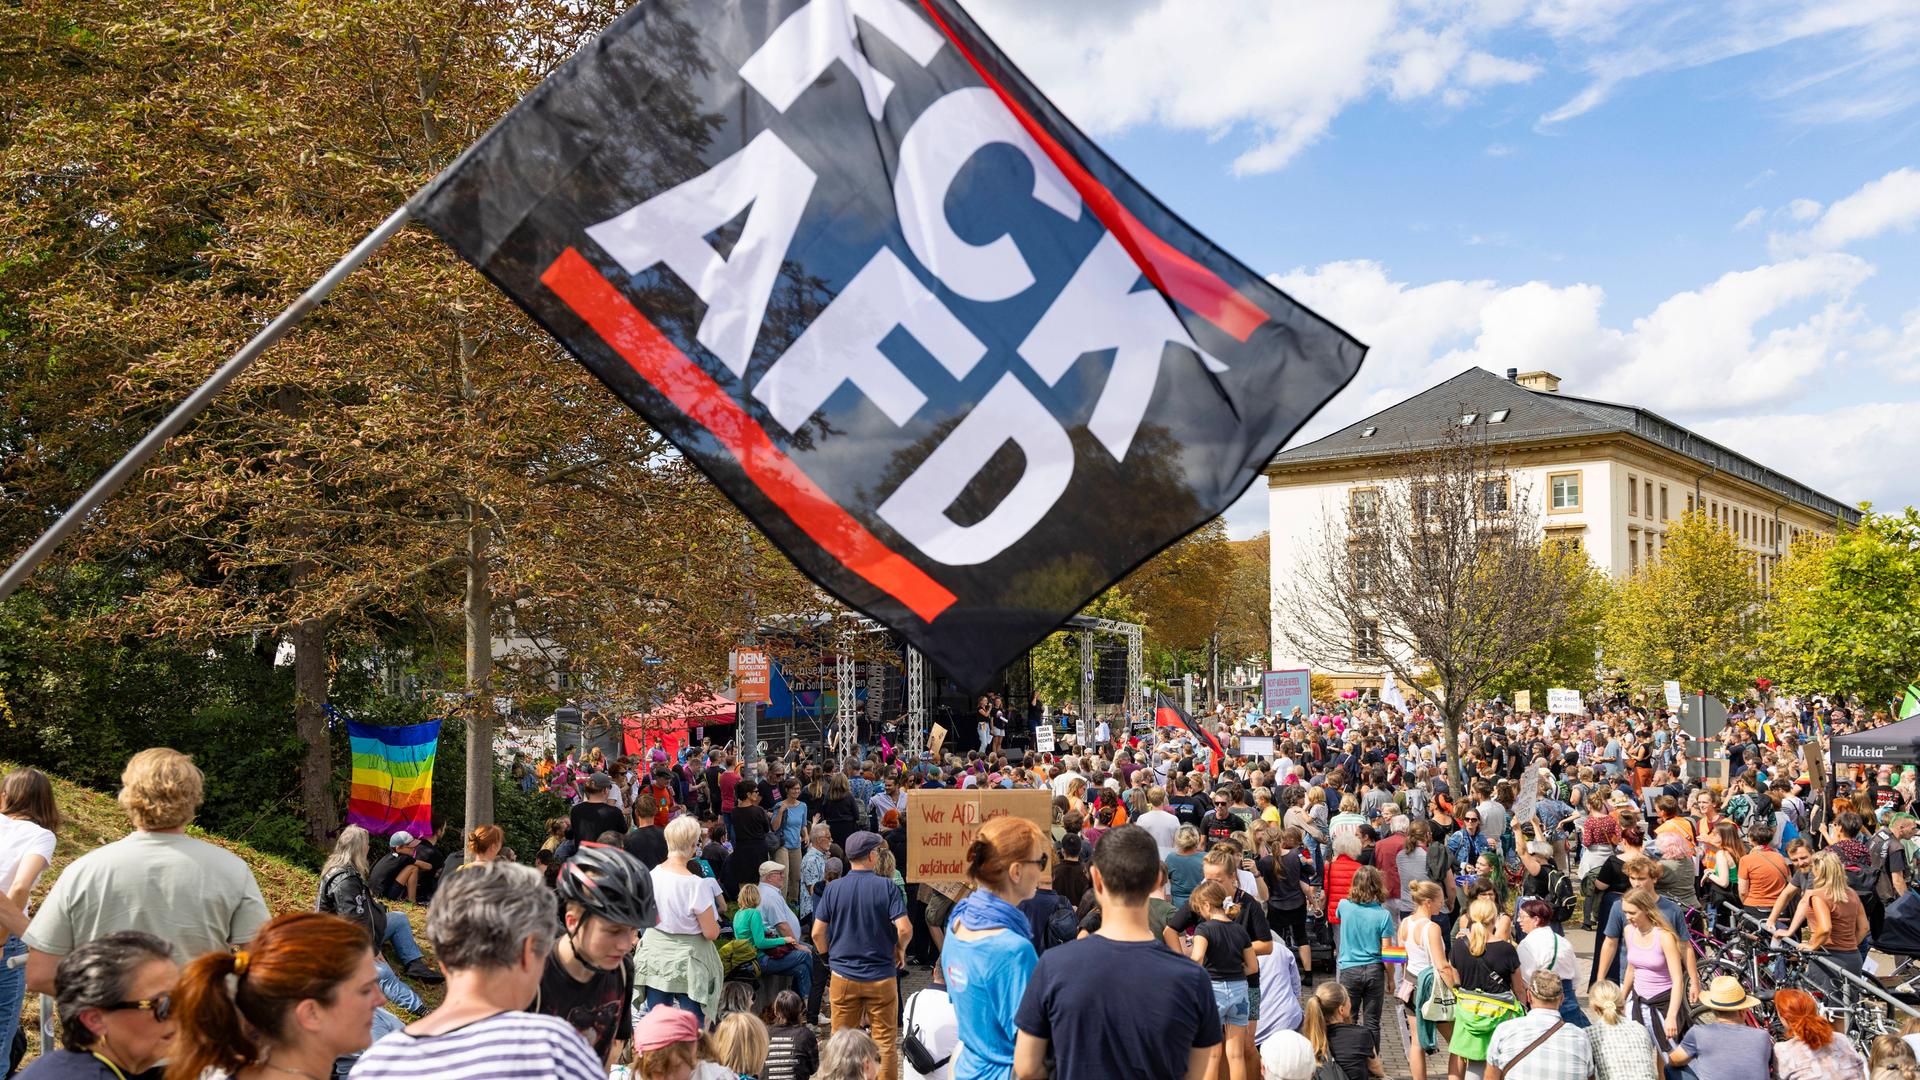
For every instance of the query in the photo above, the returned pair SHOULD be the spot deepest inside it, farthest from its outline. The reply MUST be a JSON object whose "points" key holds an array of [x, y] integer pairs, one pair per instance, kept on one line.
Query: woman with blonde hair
{"points": [[1488, 993], [1427, 970], [1186, 867], [1621, 1050], [344, 892], [739, 1045], [1810, 1052], [1653, 969], [988, 956], [677, 961], [1327, 1022], [1835, 915]]}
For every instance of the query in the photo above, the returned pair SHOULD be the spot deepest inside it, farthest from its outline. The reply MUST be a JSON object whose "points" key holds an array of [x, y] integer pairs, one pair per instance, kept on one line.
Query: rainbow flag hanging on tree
{"points": [[393, 777]]}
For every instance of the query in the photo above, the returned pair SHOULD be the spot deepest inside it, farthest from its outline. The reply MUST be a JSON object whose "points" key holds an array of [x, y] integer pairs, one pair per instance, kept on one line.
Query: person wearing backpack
{"points": [[1887, 862]]}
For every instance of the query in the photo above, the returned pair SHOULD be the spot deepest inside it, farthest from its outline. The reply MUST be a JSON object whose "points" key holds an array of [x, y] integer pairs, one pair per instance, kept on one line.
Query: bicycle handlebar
{"points": [[1859, 983]]}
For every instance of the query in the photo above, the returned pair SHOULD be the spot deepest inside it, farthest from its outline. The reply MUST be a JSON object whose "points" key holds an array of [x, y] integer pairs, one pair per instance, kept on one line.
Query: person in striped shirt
{"points": [[491, 928]]}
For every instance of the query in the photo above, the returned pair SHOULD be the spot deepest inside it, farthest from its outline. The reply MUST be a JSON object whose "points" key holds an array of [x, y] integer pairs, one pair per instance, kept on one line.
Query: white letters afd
{"points": [[1096, 311]]}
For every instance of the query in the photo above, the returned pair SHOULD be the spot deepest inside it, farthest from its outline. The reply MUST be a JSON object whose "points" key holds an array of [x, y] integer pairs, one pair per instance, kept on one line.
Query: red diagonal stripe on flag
{"points": [[1171, 270], [684, 383]]}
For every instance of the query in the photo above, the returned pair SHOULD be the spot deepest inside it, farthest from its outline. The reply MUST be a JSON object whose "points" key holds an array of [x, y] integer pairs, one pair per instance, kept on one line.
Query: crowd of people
{"points": [[1304, 915]]}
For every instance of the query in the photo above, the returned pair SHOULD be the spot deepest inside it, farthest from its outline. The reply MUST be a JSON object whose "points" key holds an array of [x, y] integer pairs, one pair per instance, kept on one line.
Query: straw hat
{"points": [[1725, 994]]}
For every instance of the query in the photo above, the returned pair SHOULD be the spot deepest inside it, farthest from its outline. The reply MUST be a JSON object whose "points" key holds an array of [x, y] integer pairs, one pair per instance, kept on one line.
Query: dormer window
{"points": [[1498, 416], [1467, 419], [1367, 433]]}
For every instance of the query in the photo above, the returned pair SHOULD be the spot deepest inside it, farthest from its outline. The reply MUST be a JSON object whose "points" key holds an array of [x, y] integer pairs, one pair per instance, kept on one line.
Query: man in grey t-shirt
{"points": [[195, 896]]}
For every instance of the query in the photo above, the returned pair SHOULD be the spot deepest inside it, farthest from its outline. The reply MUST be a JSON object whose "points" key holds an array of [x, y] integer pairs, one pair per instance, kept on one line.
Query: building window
{"points": [[1633, 555], [1663, 503], [1649, 491], [1565, 490], [1689, 504], [1367, 433], [1467, 419], [1366, 640], [1633, 494], [1497, 416], [1426, 501], [1494, 495], [1364, 504]]}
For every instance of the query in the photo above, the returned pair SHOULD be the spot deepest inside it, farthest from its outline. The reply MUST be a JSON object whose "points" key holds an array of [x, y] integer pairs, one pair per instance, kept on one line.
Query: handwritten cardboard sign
{"points": [[941, 824]]}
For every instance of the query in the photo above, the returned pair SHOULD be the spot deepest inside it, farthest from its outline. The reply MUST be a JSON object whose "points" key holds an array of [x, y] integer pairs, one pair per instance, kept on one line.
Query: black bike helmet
{"points": [[611, 883]]}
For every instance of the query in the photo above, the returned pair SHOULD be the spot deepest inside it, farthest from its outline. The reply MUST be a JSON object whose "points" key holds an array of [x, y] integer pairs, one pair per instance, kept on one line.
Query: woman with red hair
{"points": [[298, 996], [1810, 1052]]}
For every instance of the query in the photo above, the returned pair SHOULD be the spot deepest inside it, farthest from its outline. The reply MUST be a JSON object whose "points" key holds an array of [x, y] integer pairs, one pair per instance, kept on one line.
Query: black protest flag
{"points": [[959, 366], [1167, 714]]}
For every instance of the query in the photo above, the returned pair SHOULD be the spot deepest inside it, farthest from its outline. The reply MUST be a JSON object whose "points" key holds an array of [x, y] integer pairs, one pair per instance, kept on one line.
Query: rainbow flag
{"points": [[1392, 954], [393, 777]]}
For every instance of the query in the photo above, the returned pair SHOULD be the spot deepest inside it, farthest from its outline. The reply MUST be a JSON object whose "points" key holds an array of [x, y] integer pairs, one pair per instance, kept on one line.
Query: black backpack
{"points": [[1062, 925], [1561, 895]]}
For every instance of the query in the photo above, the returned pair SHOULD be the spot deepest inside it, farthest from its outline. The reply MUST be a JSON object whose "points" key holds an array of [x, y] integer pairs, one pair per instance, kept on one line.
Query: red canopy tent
{"points": [[667, 726]]}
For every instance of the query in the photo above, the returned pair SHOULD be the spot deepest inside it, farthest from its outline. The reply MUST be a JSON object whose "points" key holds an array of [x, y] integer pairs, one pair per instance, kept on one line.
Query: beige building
{"points": [[1608, 478]]}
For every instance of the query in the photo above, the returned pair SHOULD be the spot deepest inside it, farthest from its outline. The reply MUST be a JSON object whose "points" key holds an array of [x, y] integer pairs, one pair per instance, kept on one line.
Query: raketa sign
{"points": [[878, 289]]}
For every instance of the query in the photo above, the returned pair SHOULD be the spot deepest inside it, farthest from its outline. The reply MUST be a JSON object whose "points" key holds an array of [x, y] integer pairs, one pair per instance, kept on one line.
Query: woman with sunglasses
{"points": [[298, 996], [116, 1009], [988, 956]]}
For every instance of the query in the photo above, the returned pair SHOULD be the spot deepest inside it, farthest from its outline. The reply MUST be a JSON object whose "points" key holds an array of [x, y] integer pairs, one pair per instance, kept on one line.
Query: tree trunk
{"points": [[479, 612], [1456, 775], [310, 722]]}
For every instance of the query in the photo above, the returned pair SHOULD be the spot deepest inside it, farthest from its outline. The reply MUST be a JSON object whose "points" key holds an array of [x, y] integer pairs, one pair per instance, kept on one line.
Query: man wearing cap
{"points": [[397, 875], [781, 921], [593, 814], [860, 925]]}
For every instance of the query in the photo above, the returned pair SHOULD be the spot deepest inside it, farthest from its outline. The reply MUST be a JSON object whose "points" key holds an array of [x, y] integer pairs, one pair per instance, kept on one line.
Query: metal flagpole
{"points": [[196, 403]]}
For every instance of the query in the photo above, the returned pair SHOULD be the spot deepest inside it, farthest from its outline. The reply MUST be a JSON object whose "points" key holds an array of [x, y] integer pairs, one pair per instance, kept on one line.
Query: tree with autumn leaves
{"points": [[1693, 615], [417, 453]]}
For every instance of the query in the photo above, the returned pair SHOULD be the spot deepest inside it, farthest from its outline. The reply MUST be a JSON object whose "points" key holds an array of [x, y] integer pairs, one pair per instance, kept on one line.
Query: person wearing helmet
{"points": [[607, 900]]}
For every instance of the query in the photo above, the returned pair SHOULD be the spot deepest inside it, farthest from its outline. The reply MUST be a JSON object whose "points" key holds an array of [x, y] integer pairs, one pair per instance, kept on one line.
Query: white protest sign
{"points": [[1043, 738], [1564, 702], [1673, 693]]}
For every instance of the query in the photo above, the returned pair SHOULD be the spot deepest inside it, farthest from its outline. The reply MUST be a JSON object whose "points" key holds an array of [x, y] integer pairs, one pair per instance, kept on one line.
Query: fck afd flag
{"points": [[954, 361]]}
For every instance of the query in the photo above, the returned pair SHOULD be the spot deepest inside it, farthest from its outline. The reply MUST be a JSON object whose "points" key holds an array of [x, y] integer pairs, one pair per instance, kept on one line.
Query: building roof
{"points": [[1532, 415]]}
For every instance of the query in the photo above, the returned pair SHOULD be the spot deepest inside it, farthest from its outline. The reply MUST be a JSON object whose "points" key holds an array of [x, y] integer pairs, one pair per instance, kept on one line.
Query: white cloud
{"points": [[1501, 150], [1751, 337], [1853, 452], [1803, 209], [1751, 218], [1274, 74], [1837, 61], [1889, 204]]}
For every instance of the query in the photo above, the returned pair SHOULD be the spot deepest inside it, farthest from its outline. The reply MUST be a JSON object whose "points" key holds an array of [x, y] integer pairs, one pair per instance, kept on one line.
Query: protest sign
{"points": [[1673, 693], [1564, 702], [1284, 691], [1043, 738], [941, 824]]}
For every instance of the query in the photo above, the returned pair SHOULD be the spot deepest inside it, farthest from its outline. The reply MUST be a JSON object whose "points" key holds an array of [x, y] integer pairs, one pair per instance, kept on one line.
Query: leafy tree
{"points": [[1436, 583], [417, 453], [1845, 611], [1567, 658], [1691, 616]]}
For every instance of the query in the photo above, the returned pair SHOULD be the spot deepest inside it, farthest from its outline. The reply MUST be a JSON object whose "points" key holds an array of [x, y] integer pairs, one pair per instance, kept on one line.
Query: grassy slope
{"points": [[90, 818]]}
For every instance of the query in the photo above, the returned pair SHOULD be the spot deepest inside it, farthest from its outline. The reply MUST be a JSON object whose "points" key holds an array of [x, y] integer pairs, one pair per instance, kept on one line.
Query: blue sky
{"points": [[1707, 208]]}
